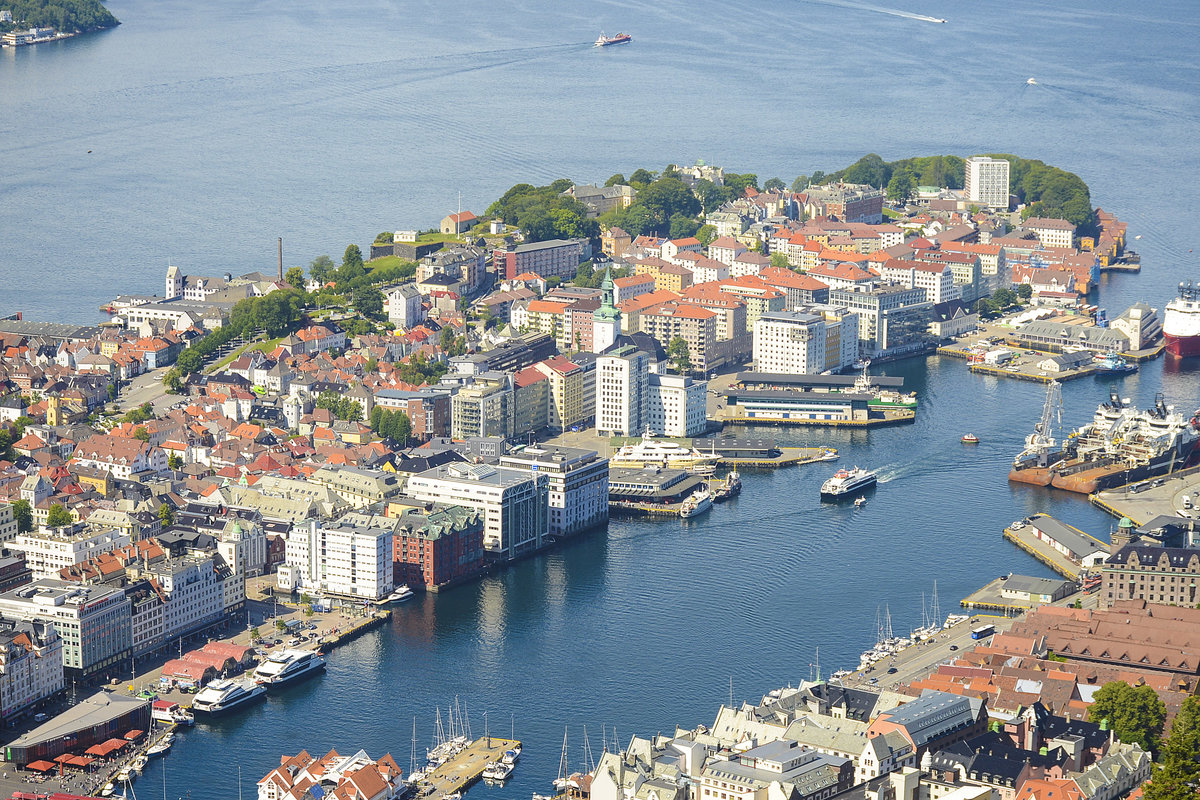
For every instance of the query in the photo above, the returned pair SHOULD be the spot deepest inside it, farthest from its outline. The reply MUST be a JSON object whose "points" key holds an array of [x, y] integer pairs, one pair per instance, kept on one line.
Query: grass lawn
{"points": [[385, 261], [890, 214]]}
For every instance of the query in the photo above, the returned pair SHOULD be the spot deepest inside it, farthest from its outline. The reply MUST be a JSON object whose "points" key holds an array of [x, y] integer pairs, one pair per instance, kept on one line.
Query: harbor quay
{"points": [[1174, 494]]}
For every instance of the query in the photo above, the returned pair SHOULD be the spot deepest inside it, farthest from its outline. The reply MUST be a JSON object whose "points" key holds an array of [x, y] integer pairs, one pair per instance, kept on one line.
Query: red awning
{"points": [[134, 734], [65, 758], [115, 744], [98, 750], [40, 766], [80, 761]]}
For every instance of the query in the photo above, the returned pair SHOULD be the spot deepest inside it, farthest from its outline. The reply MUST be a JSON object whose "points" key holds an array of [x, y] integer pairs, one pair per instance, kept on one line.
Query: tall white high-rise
{"points": [[985, 181]]}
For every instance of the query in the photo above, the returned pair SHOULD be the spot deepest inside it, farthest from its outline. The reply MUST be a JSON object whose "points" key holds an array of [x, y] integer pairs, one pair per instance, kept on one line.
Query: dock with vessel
{"points": [[1061, 547], [836, 401], [464, 768]]}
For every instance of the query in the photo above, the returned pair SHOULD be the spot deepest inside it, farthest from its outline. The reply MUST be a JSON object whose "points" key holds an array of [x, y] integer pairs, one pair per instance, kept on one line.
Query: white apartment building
{"points": [[244, 548], [195, 587], [936, 279], [92, 622], [515, 503], [985, 181], [622, 392], [8, 523], [677, 405], [1051, 232], [350, 557], [577, 484], [50, 550], [790, 343], [31, 665]]}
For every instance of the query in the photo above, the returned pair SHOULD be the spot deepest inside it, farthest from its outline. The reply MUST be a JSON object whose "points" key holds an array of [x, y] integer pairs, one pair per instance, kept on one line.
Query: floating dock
{"points": [[457, 774]]}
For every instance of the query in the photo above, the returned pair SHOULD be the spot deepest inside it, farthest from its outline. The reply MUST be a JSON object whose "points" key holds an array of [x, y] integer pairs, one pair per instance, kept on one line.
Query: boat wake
{"points": [[880, 10]]}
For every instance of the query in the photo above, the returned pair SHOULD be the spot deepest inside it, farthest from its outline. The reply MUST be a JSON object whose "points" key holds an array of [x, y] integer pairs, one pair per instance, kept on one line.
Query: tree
{"points": [[680, 355], [166, 516], [321, 269], [403, 428], [58, 516], [616, 180], [295, 277], [900, 187], [1004, 297], [706, 234], [308, 610], [141, 434], [387, 237], [173, 380], [774, 184], [280, 625], [352, 268], [1134, 714], [23, 514], [800, 184], [174, 461], [368, 301], [870, 169], [683, 226], [640, 178], [1177, 774], [255, 634], [1024, 291], [817, 178]]}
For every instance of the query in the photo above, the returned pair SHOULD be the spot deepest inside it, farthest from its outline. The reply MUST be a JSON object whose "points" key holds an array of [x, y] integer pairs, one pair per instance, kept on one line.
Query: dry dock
{"points": [[465, 768]]}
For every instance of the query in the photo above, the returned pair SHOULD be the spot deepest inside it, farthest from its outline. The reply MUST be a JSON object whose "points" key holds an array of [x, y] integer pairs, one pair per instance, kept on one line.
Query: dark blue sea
{"points": [[196, 134]]}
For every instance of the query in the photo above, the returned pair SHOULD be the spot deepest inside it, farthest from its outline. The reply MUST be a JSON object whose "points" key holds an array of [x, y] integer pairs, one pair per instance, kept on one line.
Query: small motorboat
{"points": [[859, 502], [970, 438], [1031, 82]]}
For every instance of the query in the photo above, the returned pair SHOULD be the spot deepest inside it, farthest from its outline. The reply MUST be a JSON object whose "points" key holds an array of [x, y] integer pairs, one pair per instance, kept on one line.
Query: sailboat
{"points": [[560, 783]]}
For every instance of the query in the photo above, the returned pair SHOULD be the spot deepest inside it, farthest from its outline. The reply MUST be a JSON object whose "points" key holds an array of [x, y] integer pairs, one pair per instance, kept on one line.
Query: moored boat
{"points": [[696, 504], [225, 695], [288, 666], [650, 452], [730, 487], [970, 438], [402, 593], [1042, 450], [1181, 322]]}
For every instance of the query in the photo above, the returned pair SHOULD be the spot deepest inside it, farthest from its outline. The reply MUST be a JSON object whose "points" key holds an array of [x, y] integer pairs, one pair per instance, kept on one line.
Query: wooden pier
{"points": [[457, 774]]}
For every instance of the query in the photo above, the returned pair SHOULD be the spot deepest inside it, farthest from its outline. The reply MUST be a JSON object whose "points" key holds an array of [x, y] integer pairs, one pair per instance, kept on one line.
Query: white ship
{"points": [[848, 481], [225, 695], [651, 453], [696, 504], [402, 593], [290, 665], [1181, 322]]}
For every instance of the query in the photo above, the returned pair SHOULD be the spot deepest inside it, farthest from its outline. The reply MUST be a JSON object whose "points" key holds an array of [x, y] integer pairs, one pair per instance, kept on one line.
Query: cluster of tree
{"points": [[452, 345], [1002, 299], [419, 370], [23, 514], [342, 407], [544, 212], [394, 425], [946, 171], [1050, 192], [67, 16], [58, 516], [679, 355], [276, 313], [666, 207], [1135, 714], [137, 416], [591, 278], [1176, 776]]}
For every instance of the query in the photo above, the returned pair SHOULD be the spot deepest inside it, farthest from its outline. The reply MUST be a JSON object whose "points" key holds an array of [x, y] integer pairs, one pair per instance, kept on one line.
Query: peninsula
{"points": [[24, 22]]}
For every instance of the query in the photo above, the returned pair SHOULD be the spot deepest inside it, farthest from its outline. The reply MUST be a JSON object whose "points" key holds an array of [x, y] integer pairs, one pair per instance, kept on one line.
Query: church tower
{"points": [[606, 320]]}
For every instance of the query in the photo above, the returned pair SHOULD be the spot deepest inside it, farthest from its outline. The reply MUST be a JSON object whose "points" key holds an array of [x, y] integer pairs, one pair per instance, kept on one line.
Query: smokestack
{"points": [[281, 259]]}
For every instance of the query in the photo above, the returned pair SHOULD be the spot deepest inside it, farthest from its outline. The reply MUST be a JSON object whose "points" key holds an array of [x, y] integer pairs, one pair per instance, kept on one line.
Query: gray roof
{"points": [[49, 330], [1029, 585], [1070, 538], [95, 710], [934, 714]]}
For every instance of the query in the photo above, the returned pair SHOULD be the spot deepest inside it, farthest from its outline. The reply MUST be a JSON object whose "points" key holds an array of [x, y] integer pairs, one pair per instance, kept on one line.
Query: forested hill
{"points": [[66, 16], [1047, 191]]}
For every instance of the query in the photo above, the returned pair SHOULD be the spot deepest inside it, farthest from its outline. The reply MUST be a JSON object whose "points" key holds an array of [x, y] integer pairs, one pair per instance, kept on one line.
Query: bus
{"points": [[983, 631]]}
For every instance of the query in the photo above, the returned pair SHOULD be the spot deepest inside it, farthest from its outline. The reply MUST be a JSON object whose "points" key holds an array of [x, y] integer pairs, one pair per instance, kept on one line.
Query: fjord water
{"points": [[214, 128]]}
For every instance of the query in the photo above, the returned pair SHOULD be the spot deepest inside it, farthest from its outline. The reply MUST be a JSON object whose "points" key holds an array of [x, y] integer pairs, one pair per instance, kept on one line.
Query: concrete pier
{"points": [[465, 768]]}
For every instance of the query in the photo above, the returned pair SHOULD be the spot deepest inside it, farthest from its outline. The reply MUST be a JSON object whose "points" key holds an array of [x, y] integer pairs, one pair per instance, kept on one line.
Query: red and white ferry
{"points": [[1181, 323]]}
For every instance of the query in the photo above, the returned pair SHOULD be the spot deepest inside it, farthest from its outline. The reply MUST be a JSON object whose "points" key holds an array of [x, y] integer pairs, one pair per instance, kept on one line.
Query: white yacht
{"points": [[497, 771], [848, 481], [652, 453], [226, 694], [290, 665], [402, 593]]}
